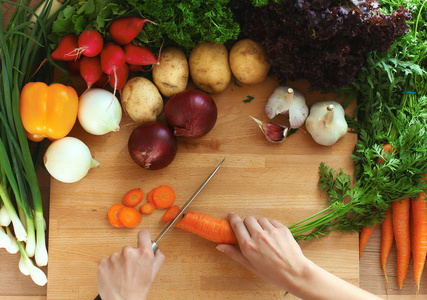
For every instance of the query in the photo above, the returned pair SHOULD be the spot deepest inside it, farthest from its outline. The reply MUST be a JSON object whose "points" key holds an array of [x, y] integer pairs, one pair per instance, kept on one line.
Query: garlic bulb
{"points": [[285, 100], [326, 122]]}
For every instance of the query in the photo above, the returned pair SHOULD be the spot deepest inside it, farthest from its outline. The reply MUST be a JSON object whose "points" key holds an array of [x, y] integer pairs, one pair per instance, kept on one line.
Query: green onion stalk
{"points": [[23, 47]]}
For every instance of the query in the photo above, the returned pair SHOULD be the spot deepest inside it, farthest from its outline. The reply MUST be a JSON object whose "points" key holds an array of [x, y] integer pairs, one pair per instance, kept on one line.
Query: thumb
{"points": [[234, 253]]}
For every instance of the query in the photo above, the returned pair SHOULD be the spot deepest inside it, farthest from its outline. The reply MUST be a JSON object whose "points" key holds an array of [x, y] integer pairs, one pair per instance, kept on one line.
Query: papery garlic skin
{"points": [[285, 100], [326, 122], [274, 132]]}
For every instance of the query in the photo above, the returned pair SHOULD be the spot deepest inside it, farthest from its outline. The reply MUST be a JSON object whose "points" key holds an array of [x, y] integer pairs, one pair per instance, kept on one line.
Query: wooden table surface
{"points": [[258, 178]]}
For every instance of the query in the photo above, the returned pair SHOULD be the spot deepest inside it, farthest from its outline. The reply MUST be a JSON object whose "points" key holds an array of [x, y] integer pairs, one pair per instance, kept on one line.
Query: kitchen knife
{"points": [[177, 218], [182, 211]]}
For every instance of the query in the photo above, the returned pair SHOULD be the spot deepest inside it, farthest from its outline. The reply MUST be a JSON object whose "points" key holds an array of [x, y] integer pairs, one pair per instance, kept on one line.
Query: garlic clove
{"points": [[285, 100], [273, 132]]}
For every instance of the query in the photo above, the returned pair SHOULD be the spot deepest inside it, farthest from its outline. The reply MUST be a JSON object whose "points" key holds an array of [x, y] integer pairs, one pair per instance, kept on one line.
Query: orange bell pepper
{"points": [[48, 111]]}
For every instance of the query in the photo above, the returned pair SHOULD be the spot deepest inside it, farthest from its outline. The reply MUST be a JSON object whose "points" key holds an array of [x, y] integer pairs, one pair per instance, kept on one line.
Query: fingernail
{"points": [[219, 248]]}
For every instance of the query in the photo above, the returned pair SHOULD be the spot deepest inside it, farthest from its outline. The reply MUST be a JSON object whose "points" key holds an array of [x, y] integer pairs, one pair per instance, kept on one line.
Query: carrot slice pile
{"points": [[133, 197], [163, 196], [130, 217], [147, 208], [208, 227], [170, 213], [113, 214]]}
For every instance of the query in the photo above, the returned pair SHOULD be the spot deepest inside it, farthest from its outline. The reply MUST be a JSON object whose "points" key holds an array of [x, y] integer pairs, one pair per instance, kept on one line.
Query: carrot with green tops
{"points": [[133, 197], [400, 217], [113, 214], [387, 239], [170, 213], [147, 208], [419, 244], [208, 227], [130, 217], [163, 196], [387, 148], [364, 236]]}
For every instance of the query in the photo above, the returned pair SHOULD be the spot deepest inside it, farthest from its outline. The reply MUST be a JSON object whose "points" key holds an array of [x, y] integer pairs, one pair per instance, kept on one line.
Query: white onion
{"points": [[100, 112], [68, 160]]}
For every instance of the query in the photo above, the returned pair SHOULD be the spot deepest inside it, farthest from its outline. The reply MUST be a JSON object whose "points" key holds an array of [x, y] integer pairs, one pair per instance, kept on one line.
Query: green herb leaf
{"points": [[248, 99]]}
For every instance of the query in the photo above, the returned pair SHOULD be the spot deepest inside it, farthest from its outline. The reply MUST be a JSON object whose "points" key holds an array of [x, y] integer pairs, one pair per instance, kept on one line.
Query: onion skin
{"points": [[152, 146], [191, 114]]}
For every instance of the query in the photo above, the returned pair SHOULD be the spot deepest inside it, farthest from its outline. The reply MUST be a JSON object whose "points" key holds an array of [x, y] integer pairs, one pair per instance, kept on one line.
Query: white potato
{"points": [[171, 74], [142, 100], [209, 67]]}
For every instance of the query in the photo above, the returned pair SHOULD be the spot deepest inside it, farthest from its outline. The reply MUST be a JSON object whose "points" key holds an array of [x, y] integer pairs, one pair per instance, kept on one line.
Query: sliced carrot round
{"points": [[147, 208], [133, 197], [113, 215], [130, 217], [163, 196], [150, 196], [170, 213]]}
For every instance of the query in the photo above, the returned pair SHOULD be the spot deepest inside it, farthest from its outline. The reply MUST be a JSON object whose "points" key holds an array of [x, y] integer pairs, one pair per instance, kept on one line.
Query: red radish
{"points": [[124, 30], [90, 70], [135, 68], [66, 50], [73, 67], [102, 82], [90, 43], [122, 76], [139, 55], [112, 58]]}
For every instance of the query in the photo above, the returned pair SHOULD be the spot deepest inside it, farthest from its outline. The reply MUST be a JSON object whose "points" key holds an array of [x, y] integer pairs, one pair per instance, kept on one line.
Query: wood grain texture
{"points": [[278, 181]]}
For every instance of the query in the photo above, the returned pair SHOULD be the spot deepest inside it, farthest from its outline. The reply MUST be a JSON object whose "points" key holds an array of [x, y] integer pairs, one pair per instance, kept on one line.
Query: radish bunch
{"points": [[99, 61]]}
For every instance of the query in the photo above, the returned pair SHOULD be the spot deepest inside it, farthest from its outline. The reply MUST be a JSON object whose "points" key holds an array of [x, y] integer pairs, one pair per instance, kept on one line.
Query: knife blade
{"points": [[182, 211]]}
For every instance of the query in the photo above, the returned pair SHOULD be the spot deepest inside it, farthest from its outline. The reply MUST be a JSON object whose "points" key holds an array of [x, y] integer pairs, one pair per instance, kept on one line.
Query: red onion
{"points": [[191, 113], [152, 146]]}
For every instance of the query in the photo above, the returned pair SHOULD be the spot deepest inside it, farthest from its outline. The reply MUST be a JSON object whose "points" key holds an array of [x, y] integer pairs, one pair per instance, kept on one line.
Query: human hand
{"points": [[129, 274], [268, 249]]}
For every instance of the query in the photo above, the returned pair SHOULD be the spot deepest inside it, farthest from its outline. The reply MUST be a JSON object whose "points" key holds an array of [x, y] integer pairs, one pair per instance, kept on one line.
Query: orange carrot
{"points": [[133, 197], [147, 208], [401, 232], [130, 216], [150, 197], [419, 251], [387, 148], [386, 240], [364, 236], [208, 227], [163, 196], [113, 215], [170, 213]]}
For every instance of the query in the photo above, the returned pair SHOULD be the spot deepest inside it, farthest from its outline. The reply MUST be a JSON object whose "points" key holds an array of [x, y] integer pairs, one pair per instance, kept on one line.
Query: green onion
{"points": [[23, 47]]}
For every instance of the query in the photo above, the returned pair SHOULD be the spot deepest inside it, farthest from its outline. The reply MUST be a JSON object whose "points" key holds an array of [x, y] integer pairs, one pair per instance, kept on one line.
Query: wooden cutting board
{"points": [[259, 178]]}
